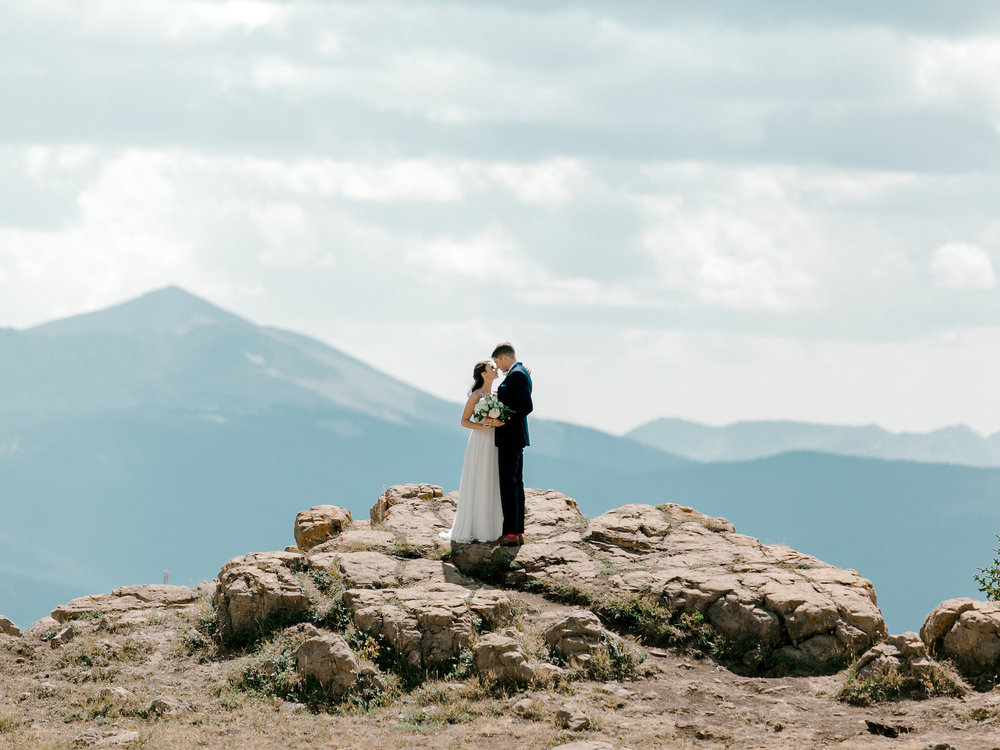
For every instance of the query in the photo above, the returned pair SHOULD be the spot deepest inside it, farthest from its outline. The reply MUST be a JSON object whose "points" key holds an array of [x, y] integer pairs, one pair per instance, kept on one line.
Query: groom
{"points": [[511, 439]]}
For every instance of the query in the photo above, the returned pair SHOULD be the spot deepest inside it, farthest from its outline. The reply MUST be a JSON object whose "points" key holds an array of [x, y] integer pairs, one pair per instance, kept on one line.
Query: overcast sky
{"points": [[711, 210]]}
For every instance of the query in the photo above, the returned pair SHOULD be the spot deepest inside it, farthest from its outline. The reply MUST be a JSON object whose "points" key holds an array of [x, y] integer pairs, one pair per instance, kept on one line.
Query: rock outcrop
{"points": [[394, 584], [126, 599], [256, 587], [967, 632], [762, 597], [429, 624]]}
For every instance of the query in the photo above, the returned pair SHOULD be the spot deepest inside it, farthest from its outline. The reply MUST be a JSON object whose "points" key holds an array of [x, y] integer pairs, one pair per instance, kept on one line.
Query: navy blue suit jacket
{"points": [[515, 393]]}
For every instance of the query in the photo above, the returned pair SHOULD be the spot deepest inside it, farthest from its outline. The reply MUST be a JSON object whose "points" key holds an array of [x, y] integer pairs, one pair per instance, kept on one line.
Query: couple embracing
{"points": [[491, 491]]}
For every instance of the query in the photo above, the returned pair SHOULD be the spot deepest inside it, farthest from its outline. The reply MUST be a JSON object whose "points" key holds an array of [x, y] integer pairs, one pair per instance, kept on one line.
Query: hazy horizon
{"points": [[623, 432]]}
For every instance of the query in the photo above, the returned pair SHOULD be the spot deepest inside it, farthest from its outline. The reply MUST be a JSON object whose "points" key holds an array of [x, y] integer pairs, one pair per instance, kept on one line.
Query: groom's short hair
{"points": [[506, 349]]}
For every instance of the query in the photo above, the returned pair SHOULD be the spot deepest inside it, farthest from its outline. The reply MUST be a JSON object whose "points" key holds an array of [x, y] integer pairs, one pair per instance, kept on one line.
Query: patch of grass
{"points": [[444, 554], [444, 704], [563, 591], [390, 661], [110, 708], [105, 624], [272, 672], [103, 654], [617, 662], [7, 724], [402, 548], [418, 720], [893, 686], [981, 714]]}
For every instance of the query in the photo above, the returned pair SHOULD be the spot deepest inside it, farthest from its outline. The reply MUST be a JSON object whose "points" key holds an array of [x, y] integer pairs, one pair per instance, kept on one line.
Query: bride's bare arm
{"points": [[470, 405]]}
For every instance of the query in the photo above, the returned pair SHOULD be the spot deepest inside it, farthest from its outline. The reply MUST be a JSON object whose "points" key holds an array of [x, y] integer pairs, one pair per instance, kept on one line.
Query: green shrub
{"points": [[989, 578], [893, 686]]}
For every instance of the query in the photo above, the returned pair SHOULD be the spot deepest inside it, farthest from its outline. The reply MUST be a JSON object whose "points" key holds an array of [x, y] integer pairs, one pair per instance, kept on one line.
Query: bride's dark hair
{"points": [[477, 375]]}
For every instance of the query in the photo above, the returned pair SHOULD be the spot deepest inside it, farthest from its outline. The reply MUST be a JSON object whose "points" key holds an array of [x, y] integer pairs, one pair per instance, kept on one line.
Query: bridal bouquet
{"points": [[490, 407]]}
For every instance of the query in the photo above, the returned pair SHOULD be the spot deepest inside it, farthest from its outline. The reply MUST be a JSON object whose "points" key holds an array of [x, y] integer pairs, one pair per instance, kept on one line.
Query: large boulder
{"points": [[577, 636], [256, 587], [501, 656], [7, 627], [327, 658], [429, 625], [967, 632], [125, 600], [319, 524]]}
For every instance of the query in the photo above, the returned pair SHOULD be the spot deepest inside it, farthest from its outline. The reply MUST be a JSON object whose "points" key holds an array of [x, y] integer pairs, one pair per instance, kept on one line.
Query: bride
{"points": [[480, 516]]}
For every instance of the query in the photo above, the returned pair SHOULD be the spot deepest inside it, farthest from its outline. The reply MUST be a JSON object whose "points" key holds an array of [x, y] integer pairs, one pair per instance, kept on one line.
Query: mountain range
{"points": [[168, 434], [745, 441]]}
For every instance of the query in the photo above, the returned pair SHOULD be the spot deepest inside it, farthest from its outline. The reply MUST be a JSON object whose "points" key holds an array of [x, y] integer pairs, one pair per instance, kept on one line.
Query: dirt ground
{"points": [[51, 698]]}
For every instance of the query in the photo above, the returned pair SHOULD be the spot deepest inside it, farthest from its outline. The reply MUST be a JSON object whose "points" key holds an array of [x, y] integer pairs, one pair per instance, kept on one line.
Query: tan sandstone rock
{"points": [[967, 632], [501, 656], [359, 537], [572, 718], [169, 705], [7, 627], [127, 599], [755, 595], [428, 624], [906, 655], [319, 524], [326, 657], [254, 587], [359, 570], [577, 636]]}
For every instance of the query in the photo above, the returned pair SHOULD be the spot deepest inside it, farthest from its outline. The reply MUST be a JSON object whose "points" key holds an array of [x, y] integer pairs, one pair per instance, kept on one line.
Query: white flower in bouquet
{"points": [[489, 407]]}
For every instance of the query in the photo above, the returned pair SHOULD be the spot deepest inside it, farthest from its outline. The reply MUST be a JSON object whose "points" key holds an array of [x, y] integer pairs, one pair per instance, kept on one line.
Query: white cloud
{"points": [[745, 247], [960, 265], [549, 183], [492, 256], [290, 239], [950, 69]]}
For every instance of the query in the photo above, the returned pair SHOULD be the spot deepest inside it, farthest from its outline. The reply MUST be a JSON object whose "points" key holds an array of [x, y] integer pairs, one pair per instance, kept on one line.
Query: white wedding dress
{"points": [[480, 516]]}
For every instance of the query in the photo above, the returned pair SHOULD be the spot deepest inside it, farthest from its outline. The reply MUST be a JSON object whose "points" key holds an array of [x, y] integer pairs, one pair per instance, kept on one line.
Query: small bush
{"points": [[7, 724], [617, 662], [989, 578], [893, 686]]}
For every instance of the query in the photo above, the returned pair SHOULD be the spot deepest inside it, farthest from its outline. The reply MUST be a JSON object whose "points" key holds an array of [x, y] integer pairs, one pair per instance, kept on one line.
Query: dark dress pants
{"points": [[511, 465]]}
